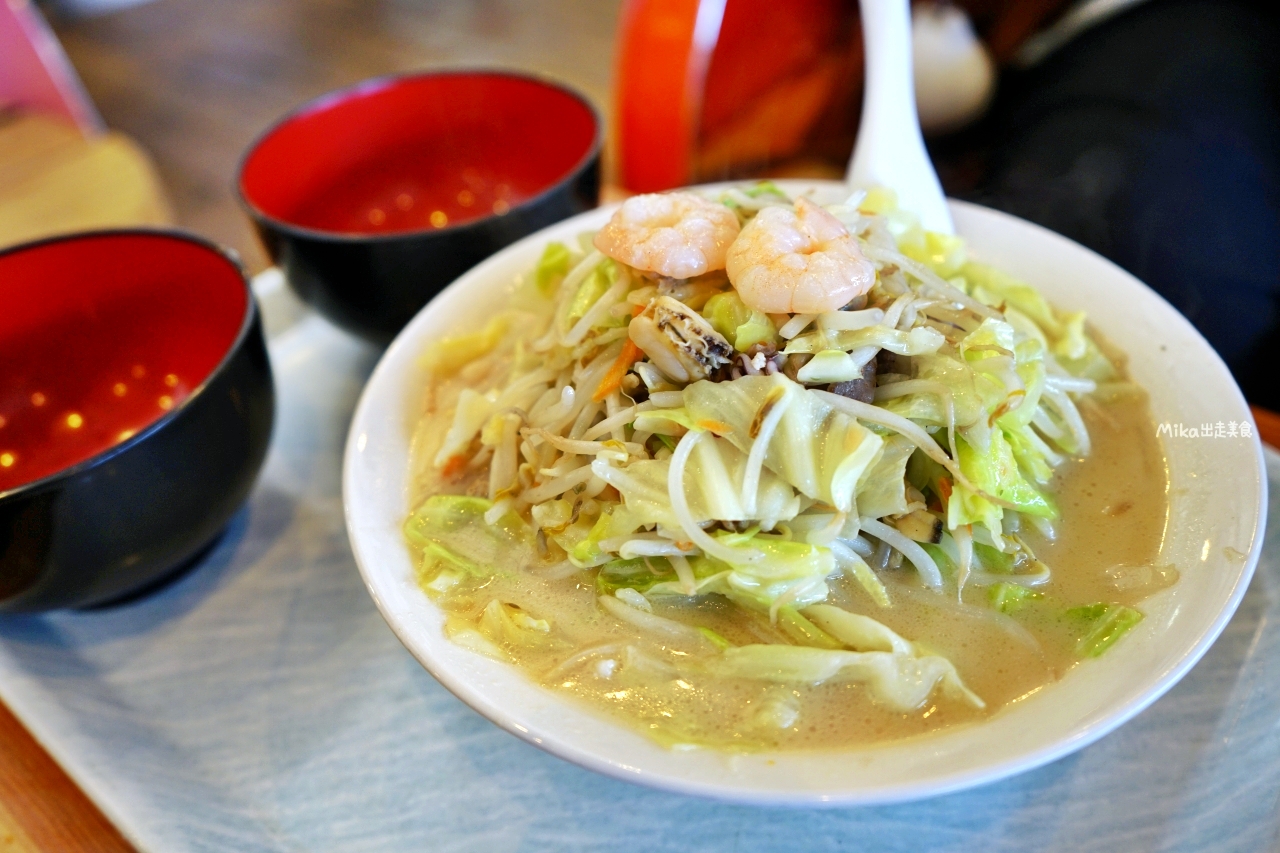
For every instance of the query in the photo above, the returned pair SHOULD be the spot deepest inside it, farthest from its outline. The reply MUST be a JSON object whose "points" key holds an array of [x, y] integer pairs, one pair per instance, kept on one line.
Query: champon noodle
{"points": [[747, 472]]}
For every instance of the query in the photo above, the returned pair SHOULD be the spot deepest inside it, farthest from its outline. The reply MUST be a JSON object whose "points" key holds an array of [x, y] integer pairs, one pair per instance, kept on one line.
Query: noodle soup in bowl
{"points": [[1209, 540]]}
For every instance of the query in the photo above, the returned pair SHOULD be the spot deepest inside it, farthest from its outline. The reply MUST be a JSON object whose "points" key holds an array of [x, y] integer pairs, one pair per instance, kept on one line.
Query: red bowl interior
{"points": [[417, 153], [100, 336]]}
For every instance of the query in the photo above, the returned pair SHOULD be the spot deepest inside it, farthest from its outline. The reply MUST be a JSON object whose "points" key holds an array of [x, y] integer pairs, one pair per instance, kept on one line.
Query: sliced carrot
{"points": [[612, 380], [944, 486], [454, 466], [718, 427]]}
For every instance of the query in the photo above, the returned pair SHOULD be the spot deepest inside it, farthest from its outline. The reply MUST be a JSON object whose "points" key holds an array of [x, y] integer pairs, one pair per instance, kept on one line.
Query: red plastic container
{"points": [[715, 89]]}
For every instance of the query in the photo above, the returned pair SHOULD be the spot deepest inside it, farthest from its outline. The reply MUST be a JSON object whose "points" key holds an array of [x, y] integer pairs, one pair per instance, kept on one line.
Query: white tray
{"points": [[259, 703]]}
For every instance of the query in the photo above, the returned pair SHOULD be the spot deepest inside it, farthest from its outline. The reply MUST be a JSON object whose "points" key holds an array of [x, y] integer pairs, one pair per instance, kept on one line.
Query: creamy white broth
{"points": [[802, 588], [1114, 509]]}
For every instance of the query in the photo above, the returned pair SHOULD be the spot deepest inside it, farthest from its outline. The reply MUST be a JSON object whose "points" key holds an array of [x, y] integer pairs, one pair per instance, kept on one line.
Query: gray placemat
{"points": [[260, 703]]}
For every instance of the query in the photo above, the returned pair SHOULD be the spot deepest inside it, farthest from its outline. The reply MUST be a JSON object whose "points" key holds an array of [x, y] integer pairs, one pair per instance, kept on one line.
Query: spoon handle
{"points": [[890, 151]]}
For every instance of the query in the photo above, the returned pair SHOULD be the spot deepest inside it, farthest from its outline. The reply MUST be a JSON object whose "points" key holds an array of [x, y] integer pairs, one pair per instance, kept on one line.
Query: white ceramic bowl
{"points": [[1217, 494]]}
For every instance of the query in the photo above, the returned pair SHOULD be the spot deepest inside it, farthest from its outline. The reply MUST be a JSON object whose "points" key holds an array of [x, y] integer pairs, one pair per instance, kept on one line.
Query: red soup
{"points": [[102, 336], [417, 153]]}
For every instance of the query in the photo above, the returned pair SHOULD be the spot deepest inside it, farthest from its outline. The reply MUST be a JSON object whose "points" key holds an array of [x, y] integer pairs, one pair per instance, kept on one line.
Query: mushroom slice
{"points": [[921, 526]]}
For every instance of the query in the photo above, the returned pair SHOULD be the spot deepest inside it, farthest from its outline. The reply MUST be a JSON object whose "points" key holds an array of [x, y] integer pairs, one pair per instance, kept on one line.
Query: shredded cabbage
{"points": [[821, 452], [449, 354], [772, 481], [552, 266], [451, 532], [902, 682], [791, 571], [883, 488], [743, 326], [715, 470]]}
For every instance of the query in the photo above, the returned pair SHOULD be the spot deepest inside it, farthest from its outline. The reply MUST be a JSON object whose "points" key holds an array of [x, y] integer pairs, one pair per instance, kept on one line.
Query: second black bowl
{"points": [[373, 198]]}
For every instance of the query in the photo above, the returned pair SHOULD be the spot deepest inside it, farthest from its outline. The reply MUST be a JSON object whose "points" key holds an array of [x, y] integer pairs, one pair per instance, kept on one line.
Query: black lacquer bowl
{"points": [[373, 198], [136, 405]]}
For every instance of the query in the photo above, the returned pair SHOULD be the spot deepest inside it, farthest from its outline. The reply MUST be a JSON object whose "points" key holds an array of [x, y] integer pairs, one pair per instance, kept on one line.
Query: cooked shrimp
{"points": [[797, 261], [678, 235]]}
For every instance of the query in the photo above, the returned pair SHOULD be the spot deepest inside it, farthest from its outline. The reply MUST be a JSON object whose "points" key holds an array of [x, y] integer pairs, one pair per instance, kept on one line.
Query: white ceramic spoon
{"points": [[890, 151]]}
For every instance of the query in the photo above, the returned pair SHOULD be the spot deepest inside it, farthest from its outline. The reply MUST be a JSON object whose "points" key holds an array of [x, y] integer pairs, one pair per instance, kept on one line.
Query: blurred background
{"points": [[1149, 131], [195, 82]]}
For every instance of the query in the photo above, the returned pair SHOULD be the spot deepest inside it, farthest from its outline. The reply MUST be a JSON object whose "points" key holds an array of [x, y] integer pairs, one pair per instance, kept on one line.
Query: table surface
{"points": [[194, 82], [260, 703]]}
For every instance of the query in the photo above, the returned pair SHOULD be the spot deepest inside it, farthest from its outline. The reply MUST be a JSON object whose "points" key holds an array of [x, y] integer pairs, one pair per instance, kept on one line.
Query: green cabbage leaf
{"points": [[452, 534], [741, 325], [995, 472], [821, 452], [883, 488], [901, 682], [713, 485], [794, 570], [894, 670]]}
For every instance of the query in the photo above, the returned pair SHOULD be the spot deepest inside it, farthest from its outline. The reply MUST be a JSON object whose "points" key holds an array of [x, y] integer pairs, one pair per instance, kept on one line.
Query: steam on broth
{"points": [[751, 529]]}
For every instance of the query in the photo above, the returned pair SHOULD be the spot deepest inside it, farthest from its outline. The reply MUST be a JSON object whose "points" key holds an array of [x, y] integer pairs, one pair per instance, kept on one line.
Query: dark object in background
{"points": [[373, 198], [1154, 139], [132, 514], [1152, 136]]}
